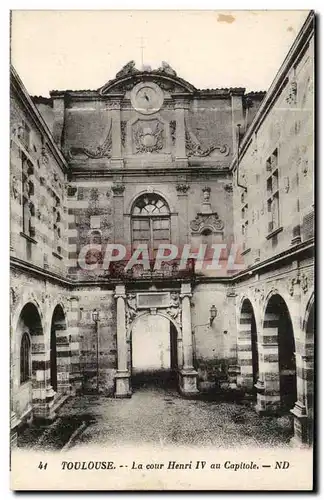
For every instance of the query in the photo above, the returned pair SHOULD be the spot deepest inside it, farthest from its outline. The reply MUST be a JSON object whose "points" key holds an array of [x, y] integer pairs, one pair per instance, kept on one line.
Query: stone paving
{"points": [[159, 416]]}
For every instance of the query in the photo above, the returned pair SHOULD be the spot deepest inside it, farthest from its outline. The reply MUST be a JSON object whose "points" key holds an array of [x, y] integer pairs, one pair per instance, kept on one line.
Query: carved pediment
{"points": [[129, 76], [206, 221]]}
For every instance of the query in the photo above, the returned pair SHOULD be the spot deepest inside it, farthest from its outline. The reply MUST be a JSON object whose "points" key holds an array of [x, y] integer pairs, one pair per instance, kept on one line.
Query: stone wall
{"points": [[284, 137], [38, 231]]}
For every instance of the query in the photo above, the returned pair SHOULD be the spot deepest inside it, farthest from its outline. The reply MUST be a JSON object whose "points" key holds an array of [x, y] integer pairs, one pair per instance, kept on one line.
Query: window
{"points": [[150, 221], [24, 358], [24, 134], [273, 191]]}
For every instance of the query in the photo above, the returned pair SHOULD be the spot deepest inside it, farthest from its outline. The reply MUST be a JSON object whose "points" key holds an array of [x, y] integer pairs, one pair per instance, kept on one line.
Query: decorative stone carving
{"points": [[299, 279], [194, 148], [182, 188], [123, 125], [128, 69], [166, 68], [173, 127], [131, 309], [203, 221], [304, 283], [113, 104], [118, 189], [71, 190], [259, 294], [228, 188], [103, 151], [44, 156], [14, 188], [174, 311], [230, 292], [291, 285], [292, 93], [148, 136], [13, 295], [206, 193]]}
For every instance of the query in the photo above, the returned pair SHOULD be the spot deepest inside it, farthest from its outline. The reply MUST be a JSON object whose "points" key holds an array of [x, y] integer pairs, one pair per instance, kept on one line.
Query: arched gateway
{"points": [[154, 339]]}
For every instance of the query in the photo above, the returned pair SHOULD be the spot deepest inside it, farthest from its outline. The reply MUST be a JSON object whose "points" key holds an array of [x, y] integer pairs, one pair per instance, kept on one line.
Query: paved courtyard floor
{"points": [[159, 416]]}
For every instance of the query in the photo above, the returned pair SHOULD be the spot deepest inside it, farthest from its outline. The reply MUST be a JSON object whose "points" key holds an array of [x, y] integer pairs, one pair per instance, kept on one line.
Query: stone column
{"points": [[268, 385], [63, 354], [182, 190], [122, 378], [188, 375], [114, 111], [244, 352], [43, 393], [74, 339], [180, 106], [118, 189], [303, 409]]}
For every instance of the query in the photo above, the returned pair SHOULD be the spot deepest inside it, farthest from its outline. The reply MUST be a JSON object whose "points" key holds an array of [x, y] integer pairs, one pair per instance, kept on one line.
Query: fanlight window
{"points": [[150, 204], [150, 221], [24, 358]]}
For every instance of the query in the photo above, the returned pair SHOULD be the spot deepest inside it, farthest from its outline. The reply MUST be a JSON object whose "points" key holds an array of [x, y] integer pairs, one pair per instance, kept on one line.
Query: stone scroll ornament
{"points": [[194, 148], [103, 151], [202, 221]]}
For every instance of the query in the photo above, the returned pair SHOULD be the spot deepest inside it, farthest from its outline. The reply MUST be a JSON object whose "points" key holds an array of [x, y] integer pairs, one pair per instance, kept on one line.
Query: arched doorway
{"points": [[247, 344], [29, 370], [154, 352], [279, 353], [60, 352]]}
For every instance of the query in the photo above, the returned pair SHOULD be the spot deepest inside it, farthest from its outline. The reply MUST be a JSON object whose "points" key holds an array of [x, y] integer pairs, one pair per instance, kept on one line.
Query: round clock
{"points": [[147, 98]]}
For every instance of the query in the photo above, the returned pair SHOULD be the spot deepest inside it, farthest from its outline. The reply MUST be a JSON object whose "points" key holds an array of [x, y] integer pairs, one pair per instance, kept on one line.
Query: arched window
{"points": [[24, 358], [150, 221]]}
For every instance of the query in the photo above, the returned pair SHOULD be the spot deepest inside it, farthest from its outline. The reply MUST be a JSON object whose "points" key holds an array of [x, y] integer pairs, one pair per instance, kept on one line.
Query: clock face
{"points": [[147, 98]]}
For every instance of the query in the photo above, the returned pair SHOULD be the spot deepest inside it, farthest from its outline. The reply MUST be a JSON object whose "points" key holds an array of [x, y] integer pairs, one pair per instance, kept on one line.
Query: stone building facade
{"points": [[149, 160]]}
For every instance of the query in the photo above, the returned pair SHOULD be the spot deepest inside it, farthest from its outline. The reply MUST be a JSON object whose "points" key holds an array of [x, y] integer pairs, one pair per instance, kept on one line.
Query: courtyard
{"points": [[158, 416]]}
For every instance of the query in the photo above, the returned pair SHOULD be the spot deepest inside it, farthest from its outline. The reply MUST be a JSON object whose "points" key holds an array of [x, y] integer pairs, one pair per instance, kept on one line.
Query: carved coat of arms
{"points": [[148, 137]]}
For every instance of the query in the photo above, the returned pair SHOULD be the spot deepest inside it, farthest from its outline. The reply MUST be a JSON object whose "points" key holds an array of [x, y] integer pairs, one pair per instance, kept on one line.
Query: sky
{"points": [[61, 49]]}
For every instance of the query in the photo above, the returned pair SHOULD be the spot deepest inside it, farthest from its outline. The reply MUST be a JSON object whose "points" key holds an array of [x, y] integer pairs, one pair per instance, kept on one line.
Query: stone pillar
{"points": [[268, 385], [188, 376], [118, 189], [122, 378], [114, 111], [43, 393], [244, 352], [74, 341], [63, 354], [180, 106], [182, 190], [302, 411]]}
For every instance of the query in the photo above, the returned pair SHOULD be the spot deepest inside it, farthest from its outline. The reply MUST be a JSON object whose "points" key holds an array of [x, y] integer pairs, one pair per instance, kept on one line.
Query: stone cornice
{"points": [[260, 267], [25, 99]]}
